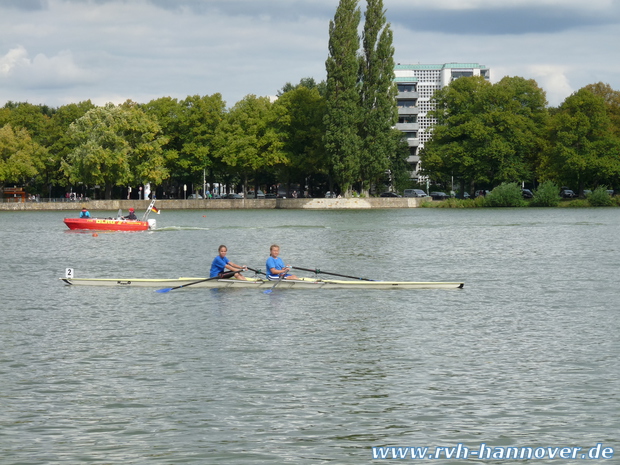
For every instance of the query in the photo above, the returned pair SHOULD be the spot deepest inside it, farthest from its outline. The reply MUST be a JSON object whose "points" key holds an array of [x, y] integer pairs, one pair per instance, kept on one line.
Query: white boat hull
{"points": [[305, 283]]}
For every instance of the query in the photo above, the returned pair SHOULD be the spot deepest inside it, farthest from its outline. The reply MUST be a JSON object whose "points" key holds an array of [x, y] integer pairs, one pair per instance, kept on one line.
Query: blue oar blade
{"points": [[268, 291], [163, 291]]}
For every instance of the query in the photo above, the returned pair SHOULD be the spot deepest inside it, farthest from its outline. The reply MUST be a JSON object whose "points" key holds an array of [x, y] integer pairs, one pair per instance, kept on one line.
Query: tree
{"points": [[190, 126], [612, 100], [60, 144], [20, 156], [200, 118], [116, 145], [485, 133], [302, 128], [35, 118], [248, 140], [584, 150], [342, 142], [378, 96], [308, 83]]}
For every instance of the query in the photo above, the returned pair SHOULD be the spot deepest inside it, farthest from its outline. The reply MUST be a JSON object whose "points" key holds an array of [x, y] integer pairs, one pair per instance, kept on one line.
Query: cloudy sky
{"points": [[56, 52]]}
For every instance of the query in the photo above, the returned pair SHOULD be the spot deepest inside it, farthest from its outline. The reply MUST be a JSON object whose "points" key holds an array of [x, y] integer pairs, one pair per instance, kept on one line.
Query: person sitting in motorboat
{"points": [[132, 215], [221, 265], [84, 213], [276, 267]]}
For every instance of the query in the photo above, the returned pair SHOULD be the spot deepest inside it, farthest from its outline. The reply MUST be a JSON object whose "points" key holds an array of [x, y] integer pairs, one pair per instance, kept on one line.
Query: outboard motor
{"points": [[152, 223]]}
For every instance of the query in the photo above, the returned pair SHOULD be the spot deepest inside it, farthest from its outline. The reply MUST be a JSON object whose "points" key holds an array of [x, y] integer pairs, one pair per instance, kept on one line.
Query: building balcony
{"points": [[408, 110], [406, 95], [407, 126]]}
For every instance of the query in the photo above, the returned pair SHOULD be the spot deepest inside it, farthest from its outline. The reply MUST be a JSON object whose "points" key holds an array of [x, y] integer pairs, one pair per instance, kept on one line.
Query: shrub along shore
{"points": [[547, 195]]}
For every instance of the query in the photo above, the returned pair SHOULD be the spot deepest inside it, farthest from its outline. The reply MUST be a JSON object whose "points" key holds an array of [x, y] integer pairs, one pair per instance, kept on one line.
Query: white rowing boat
{"points": [[303, 283]]}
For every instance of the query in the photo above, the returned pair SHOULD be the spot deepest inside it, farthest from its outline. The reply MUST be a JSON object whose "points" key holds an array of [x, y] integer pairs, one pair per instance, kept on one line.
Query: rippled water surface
{"points": [[525, 355]]}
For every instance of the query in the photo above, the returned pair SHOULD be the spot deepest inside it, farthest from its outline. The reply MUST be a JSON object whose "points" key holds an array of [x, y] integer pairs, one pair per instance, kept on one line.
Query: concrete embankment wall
{"points": [[219, 204]]}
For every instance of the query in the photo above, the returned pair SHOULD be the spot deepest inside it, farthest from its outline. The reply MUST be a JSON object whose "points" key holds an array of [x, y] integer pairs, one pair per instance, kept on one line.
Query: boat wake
{"points": [[182, 228]]}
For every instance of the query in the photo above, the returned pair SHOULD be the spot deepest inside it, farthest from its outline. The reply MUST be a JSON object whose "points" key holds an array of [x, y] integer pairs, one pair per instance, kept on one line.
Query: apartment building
{"points": [[416, 86]]}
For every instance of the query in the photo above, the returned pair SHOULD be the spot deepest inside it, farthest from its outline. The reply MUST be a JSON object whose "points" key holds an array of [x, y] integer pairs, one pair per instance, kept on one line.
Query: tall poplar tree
{"points": [[342, 142], [377, 96]]}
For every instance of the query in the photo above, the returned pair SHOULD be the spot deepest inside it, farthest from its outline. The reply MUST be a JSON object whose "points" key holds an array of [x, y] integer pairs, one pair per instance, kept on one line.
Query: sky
{"points": [[55, 52]]}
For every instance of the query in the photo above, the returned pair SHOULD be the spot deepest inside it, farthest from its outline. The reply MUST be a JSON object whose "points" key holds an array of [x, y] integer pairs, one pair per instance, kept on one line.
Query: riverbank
{"points": [[221, 204]]}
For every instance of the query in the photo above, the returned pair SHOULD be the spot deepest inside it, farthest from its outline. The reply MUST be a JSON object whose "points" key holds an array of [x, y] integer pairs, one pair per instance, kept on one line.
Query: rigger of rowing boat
{"points": [[303, 283]]}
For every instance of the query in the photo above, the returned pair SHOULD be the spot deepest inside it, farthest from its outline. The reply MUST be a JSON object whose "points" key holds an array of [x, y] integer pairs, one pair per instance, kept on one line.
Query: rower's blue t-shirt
{"points": [[276, 263], [218, 266]]}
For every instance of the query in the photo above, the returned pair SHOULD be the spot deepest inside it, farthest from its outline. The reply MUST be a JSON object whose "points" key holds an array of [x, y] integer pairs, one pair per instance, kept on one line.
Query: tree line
{"points": [[336, 135], [488, 134]]}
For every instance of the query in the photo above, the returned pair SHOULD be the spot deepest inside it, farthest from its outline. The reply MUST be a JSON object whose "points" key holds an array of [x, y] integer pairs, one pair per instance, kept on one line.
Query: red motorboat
{"points": [[109, 224], [114, 224]]}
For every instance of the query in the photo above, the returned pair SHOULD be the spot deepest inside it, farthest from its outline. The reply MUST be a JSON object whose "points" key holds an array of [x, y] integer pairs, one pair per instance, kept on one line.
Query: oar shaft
{"points": [[317, 271], [224, 275]]}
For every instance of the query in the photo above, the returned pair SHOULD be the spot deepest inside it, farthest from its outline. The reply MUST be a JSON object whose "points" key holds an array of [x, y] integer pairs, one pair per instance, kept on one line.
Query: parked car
{"points": [[389, 194], [330, 195], [234, 196], [271, 196], [527, 194], [195, 196], [482, 193], [216, 196], [567, 194], [414, 193], [253, 195], [439, 195]]}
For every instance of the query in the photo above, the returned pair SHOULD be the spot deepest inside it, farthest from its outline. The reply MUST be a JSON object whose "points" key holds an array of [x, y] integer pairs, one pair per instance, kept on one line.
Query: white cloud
{"points": [[500, 4], [62, 51], [15, 58], [552, 78], [18, 69]]}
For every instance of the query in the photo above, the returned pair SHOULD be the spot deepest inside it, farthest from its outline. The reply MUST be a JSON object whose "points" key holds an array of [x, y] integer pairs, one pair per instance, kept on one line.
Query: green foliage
{"points": [[308, 83], [20, 157], [486, 133], [455, 203], [505, 195], [611, 98], [583, 149], [599, 197], [342, 141], [191, 125], [249, 139], [547, 195], [301, 124], [575, 203], [115, 145], [377, 96]]}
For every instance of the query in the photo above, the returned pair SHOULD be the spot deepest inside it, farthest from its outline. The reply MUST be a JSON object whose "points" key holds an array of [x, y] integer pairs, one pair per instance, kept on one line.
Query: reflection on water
{"points": [[525, 355]]}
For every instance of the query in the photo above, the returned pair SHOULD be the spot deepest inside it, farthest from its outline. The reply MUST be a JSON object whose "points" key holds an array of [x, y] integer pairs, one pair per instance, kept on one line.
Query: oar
{"points": [[168, 289], [256, 271], [317, 271], [269, 291]]}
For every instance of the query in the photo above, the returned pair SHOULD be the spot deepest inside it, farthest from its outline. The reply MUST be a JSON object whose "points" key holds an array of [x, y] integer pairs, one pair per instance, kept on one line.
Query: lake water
{"points": [[526, 355]]}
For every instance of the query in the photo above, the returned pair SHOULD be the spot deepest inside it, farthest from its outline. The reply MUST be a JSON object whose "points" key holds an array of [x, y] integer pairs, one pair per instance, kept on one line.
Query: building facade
{"points": [[416, 86]]}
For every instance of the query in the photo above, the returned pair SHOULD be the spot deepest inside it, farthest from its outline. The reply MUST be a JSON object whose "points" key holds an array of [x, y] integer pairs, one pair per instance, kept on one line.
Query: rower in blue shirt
{"points": [[221, 265], [275, 265]]}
